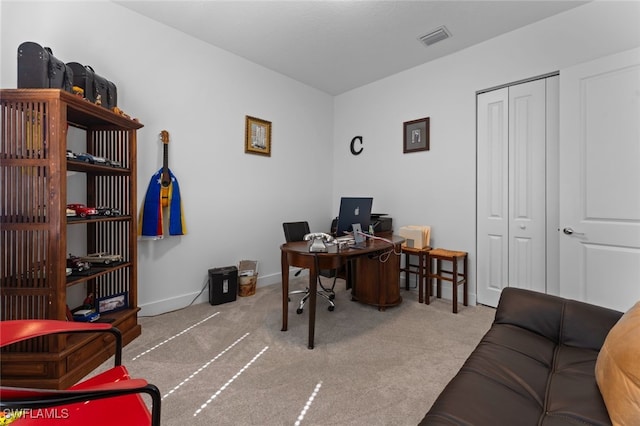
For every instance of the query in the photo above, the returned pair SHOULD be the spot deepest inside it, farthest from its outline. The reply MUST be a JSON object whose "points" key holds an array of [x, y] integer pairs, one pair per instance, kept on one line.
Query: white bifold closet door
{"points": [[514, 196]]}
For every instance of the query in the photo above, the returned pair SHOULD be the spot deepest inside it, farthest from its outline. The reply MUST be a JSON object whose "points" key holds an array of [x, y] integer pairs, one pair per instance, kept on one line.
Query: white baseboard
{"points": [[182, 301], [446, 291]]}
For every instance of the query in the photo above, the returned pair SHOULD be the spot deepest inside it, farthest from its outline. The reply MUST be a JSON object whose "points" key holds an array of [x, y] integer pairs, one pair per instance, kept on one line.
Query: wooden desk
{"points": [[375, 278], [374, 282]]}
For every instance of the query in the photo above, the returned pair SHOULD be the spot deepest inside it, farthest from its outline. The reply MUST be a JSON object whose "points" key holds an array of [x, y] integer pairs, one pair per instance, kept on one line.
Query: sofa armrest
{"points": [[561, 320]]}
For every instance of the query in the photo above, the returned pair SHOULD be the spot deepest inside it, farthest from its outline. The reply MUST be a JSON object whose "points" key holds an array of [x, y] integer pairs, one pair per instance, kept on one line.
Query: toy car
{"points": [[77, 264], [86, 315], [107, 211], [102, 257], [82, 210], [93, 159]]}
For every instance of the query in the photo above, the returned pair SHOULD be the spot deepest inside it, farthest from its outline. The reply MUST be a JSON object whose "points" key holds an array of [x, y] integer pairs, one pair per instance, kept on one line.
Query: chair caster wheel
{"points": [[299, 311], [331, 308]]}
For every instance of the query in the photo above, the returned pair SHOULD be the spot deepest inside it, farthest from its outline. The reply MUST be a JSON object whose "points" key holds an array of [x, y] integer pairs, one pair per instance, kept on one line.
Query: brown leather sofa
{"points": [[535, 366]]}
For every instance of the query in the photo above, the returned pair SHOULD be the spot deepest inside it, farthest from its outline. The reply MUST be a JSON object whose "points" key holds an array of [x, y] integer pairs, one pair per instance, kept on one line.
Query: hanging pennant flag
{"points": [[163, 191]]}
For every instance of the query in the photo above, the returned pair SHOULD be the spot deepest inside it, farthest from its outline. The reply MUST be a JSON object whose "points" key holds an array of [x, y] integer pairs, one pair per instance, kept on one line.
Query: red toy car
{"points": [[82, 210]]}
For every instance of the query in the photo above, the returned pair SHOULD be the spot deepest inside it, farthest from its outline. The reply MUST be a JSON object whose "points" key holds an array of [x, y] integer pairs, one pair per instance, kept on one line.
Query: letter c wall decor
{"points": [[353, 148]]}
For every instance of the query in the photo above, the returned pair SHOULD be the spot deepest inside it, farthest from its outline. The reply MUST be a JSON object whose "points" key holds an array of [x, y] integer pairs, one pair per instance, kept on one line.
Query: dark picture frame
{"points": [[257, 138], [416, 135], [113, 303]]}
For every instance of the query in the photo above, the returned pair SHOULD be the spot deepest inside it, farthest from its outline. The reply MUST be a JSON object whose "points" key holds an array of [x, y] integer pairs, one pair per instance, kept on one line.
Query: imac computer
{"points": [[353, 210]]}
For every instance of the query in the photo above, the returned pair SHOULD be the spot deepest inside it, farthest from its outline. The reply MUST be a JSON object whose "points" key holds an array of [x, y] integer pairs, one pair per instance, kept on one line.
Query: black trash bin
{"points": [[223, 285]]}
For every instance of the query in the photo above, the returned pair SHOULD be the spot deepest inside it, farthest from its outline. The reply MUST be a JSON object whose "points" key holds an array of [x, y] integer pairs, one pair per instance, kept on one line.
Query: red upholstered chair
{"points": [[111, 397]]}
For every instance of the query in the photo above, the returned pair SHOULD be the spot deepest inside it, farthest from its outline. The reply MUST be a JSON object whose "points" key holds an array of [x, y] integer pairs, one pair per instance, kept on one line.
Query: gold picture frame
{"points": [[257, 138]]}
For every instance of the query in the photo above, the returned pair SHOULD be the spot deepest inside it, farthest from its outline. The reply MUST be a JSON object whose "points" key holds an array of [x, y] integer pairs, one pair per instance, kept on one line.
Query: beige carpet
{"points": [[230, 364]]}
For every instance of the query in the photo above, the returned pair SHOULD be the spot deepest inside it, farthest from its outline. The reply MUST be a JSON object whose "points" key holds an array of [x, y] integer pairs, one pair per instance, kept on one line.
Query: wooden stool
{"points": [[453, 276], [420, 269]]}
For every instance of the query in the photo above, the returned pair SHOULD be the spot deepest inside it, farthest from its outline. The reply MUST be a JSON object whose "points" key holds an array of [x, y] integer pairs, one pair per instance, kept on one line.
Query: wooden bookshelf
{"points": [[34, 225]]}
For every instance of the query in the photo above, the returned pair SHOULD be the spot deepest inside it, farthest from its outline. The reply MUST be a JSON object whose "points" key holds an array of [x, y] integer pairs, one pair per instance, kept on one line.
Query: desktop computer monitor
{"points": [[353, 210]]}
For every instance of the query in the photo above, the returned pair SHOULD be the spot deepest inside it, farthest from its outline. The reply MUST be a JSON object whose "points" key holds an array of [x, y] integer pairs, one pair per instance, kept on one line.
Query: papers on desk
{"points": [[345, 242], [345, 239]]}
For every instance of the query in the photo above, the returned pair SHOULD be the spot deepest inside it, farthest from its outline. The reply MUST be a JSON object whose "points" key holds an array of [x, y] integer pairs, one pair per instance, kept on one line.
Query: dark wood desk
{"points": [[374, 281]]}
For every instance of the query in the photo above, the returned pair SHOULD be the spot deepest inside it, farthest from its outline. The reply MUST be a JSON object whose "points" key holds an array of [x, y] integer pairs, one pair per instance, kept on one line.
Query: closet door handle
{"points": [[570, 231]]}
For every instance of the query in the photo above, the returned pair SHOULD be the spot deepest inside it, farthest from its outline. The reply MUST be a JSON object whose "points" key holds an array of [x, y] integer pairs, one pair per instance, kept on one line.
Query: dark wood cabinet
{"points": [[376, 278], [34, 226]]}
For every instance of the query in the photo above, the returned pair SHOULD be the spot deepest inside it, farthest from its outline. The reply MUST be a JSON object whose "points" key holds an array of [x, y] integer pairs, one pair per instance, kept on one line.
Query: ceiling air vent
{"points": [[435, 36]]}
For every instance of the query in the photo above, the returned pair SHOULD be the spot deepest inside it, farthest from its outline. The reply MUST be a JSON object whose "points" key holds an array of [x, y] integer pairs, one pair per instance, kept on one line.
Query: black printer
{"points": [[381, 222]]}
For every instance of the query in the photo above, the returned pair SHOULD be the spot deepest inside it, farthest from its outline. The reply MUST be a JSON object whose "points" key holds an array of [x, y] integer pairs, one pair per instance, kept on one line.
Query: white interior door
{"points": [[511, 192], [600, 181]]}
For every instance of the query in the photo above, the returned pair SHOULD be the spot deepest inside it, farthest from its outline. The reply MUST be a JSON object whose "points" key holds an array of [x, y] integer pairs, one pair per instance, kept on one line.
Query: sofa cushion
{"points": [[516, 376], [579, 328], [499, 384], [618, 370], [561, 320], [573, 395], [536, 365], [536, 312]]}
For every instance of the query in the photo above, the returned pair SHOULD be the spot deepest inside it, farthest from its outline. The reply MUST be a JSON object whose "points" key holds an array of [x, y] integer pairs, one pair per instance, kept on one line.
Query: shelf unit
{"points": [[33, 229]]}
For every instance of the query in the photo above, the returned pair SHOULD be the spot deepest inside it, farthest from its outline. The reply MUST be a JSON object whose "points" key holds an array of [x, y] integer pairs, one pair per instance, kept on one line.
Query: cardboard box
{"points": [[416, 236]]}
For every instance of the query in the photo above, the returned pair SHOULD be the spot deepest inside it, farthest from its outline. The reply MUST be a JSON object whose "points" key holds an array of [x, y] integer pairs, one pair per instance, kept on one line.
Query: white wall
{"points": [[438, 187], [234, 202]]}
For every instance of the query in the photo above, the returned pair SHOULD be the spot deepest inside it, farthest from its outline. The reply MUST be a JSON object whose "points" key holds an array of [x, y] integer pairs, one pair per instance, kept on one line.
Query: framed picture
{"points": [[113, 303], [416, 135], [257, 136]]}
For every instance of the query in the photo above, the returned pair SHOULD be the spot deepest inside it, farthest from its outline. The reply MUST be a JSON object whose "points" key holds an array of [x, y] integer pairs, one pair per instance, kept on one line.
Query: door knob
{"points": [[570, 231]]}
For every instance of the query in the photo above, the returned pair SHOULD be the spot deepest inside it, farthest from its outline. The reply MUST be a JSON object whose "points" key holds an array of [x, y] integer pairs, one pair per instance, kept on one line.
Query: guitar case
{"points": [[95, 86], [38, 68], [100, 86], [112, 95], [83, 78]]}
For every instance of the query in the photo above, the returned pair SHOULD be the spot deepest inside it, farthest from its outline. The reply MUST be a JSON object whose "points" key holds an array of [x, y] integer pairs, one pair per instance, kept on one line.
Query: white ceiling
{"points": [[336, 46]]}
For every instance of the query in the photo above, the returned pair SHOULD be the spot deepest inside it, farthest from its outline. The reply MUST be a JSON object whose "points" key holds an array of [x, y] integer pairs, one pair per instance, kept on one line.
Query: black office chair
{"points": [[295, 231]]}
